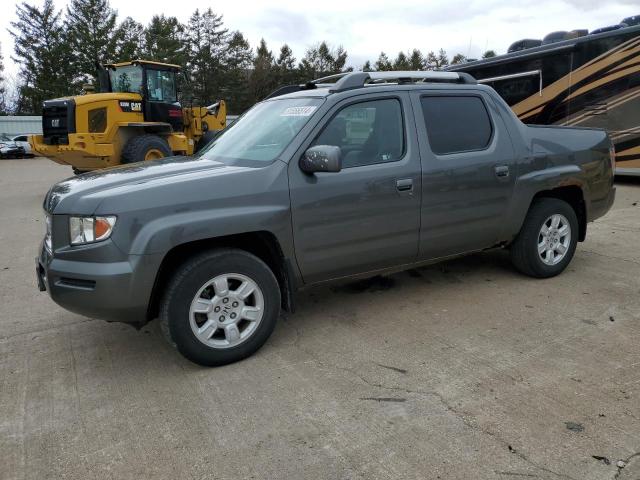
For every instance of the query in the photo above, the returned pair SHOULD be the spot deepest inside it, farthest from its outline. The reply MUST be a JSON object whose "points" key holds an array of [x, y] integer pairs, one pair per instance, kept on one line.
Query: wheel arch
{"points": [[126, 131], [262, 244], [156, 128], [565, 182], [574, 196]]}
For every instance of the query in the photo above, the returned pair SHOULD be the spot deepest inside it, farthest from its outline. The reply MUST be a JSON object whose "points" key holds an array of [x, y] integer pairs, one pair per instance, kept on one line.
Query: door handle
{"points": [[404, 184], [501, 171]]}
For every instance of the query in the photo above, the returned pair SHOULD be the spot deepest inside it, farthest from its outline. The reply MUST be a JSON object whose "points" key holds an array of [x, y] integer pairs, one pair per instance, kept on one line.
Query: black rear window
{"points": [[456, 123]]}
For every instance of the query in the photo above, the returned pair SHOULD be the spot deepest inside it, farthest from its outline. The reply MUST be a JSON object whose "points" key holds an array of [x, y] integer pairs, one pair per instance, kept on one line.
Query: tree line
{"points": [[56, 52], [3, 100]]}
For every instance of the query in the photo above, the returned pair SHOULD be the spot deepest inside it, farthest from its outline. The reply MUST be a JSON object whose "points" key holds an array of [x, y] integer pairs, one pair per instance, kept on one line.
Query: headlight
{"points": [[90, 229], [47, 235]]}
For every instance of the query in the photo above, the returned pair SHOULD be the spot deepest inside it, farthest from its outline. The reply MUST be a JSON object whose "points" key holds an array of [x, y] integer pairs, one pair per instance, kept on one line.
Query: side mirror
{"points": [[321, 158]]}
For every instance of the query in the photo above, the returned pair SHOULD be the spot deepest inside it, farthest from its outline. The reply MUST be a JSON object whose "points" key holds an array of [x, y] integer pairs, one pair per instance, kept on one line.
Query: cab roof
{"points": [[144, 62]]}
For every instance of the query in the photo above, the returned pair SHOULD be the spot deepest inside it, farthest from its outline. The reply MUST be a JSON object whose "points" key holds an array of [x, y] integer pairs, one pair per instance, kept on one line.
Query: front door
{"points": [[161, 103], [367, 216], [468, 171]]}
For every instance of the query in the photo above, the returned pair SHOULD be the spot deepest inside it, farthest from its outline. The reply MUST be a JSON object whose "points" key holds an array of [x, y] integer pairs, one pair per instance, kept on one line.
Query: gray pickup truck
{"points": [[355, 175]]}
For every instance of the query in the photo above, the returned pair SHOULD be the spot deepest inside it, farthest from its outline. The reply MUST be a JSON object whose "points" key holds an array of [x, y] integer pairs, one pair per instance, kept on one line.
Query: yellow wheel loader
{"points": [[136, 116]]}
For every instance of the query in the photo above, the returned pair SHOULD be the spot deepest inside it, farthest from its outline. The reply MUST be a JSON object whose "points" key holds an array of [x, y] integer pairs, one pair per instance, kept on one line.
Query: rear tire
{"points": [[205, 140], [547, 240], [209, 319], [145, 147]]}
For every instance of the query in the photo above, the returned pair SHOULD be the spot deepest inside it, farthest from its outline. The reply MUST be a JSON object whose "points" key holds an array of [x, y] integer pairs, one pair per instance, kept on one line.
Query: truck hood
{"points": [[83, 193]]}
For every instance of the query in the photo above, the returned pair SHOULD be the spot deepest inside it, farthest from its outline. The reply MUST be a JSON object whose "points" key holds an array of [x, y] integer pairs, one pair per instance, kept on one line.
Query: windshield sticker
{"points": [[298, 111]]}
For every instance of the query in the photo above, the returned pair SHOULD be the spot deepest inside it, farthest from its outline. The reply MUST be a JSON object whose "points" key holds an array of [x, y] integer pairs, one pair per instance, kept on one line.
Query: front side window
{"points": [[262, 133], [456, 124], [126, 79], [161, 85], [367, 133]]}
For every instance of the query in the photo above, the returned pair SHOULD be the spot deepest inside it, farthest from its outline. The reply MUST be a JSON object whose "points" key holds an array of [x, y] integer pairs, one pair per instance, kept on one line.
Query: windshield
{"points": [[262, 133], [126, 79]]}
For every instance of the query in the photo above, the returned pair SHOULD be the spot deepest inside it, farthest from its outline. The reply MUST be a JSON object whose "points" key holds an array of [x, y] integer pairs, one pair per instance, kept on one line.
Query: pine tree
{"points": [[163, 40], [489, 54], [458, 58], [130, 40], [339, 57], [239, 58], [262, 80], [206, 42], [287, 73], [91, 33], [383, 63], [322, 60], [3, 106], [367, 67], [401, 62], [41, 51], [416, 60], [437, 61]]}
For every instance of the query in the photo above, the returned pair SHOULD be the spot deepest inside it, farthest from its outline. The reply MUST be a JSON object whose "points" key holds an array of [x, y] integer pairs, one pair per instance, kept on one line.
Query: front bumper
{"points": [[116, 292], [12, 152]]}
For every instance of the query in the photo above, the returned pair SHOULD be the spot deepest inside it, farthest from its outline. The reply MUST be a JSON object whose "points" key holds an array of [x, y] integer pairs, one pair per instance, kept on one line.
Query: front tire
{"points": [[547, 240], [221, 306]]}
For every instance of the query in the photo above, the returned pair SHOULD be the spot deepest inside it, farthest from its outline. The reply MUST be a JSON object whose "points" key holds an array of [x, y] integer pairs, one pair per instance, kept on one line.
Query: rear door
{"points": [[367, 216], [467, 171]]}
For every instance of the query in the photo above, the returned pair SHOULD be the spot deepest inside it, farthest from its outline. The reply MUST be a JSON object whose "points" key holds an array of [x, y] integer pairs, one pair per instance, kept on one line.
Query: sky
{"points": [[367, 27]]}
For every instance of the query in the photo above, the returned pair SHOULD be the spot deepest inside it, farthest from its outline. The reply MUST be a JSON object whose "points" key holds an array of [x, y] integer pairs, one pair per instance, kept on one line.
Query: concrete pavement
{"points": [[460, 370]]}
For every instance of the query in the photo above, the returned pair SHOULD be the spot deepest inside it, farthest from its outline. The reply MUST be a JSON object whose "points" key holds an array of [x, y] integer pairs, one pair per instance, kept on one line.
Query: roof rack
{"points": [[350, 80], [428, 76], [341, 82]]}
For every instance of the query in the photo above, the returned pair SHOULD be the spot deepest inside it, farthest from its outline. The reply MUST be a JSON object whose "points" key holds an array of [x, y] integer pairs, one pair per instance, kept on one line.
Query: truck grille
{"points": [[58, 120]]}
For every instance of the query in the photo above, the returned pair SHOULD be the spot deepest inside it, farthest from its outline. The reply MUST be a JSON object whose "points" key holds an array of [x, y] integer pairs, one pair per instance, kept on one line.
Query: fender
{"points": [[194, 200], [164, 233], [532, 183]]}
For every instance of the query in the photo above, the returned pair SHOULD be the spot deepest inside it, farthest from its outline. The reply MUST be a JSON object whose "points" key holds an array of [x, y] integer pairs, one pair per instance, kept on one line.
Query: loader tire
{"points": [[205, 140], [145, 147]]}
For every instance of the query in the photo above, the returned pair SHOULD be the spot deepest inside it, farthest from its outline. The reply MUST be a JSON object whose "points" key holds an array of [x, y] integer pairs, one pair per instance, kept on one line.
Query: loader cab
{"points": [[156, 83]]}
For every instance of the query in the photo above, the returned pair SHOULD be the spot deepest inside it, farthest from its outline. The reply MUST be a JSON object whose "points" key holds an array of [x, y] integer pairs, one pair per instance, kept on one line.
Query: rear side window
{"points": [[367, 133], [456, 124]]}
